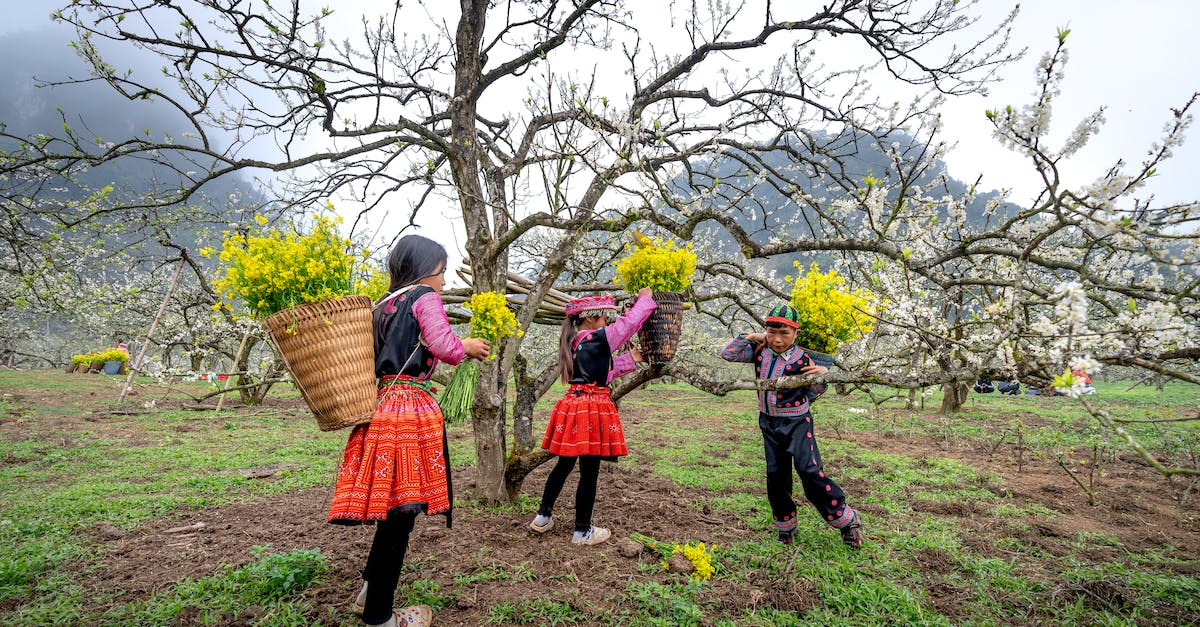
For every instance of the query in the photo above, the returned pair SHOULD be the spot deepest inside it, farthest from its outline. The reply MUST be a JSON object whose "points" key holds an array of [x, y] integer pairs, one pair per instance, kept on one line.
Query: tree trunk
{"points": [[526, 455], [913, 364], [490, 445], [519, 467], [466, 163], [953, 396], [529, 390]]}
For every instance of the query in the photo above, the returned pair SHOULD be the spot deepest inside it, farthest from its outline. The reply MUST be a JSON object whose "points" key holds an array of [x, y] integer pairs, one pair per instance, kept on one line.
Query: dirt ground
{"points": [[1133, 507]]}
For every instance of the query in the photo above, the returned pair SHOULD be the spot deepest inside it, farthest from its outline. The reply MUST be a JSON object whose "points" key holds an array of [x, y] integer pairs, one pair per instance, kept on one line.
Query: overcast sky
{"points": [[1136, 59]]}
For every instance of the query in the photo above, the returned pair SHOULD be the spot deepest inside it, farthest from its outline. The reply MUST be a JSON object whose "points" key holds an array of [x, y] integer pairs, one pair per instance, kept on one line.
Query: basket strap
{"points": [[393, 295]]}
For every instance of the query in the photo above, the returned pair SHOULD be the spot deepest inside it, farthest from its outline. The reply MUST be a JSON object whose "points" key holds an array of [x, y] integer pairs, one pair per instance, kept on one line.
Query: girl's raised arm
{"points": [[624, 327], [435, 328]]}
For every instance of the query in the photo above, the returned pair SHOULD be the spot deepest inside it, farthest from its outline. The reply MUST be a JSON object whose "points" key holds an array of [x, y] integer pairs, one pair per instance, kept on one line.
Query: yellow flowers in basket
{"points": [[829, 313], [657, 264], [273, 270], [302, 283], [667, 270]]}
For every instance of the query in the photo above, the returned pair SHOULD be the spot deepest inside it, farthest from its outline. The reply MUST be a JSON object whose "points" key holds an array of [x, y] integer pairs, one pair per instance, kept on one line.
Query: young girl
{"points": [[397, 466], [585, 424]]}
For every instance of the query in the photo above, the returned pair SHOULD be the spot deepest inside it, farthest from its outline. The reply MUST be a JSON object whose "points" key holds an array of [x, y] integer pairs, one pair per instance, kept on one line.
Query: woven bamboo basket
{"points": [[819, 358], [659, 336], [329, 349]]}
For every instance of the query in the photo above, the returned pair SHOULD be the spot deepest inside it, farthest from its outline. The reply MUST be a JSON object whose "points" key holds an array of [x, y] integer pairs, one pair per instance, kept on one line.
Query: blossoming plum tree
{"points": [[667, 124]]}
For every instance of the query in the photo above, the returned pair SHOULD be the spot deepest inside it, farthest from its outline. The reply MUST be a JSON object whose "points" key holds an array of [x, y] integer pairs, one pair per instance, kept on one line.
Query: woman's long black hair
{"points": [[412, 258], [566, 355]]}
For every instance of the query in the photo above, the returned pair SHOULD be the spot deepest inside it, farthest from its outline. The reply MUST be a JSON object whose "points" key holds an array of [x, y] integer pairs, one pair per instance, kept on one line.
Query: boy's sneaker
{"points": [[787, 536], [595, 535], [852, 533]]}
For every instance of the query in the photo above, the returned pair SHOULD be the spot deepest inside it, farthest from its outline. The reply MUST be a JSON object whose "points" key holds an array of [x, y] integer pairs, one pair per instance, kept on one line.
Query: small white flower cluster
{"points": [[1072, 305]]}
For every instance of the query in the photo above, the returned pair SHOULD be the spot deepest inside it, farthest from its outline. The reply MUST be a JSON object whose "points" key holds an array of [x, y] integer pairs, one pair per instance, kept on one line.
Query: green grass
{"points": [[888, 581], [264, 592], [63, 473], [155, 463], [534, 612]]}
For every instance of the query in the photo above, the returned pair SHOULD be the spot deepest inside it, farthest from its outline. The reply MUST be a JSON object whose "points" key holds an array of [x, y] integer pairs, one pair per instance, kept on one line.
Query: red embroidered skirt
{"points": [[396, 460], [585, 422]]}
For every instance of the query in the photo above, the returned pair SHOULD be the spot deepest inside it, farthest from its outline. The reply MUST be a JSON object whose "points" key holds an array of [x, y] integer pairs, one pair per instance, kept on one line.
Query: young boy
{"points": [[787, 427]]}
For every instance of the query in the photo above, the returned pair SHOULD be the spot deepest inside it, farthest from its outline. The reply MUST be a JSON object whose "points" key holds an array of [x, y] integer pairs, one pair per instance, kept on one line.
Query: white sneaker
{"points": [[360, 601], [412, 616], [541, 528], [595, 536]]}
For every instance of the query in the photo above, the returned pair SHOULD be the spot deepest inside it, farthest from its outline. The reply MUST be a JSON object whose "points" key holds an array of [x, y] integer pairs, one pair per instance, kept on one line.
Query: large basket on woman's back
{"points": [[329, 349], [659, 336]]}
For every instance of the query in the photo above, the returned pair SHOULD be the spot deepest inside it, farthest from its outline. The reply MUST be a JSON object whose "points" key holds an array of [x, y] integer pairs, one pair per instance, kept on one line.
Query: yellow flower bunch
{"points": [[372, 282], [272, 271], [699, 555], [657, 264], [829, 313], [491, 319], [112, 354]]}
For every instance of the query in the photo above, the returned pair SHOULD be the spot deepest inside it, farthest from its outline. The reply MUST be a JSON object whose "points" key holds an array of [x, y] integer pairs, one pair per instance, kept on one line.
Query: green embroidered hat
{"points": [[785, 315]]}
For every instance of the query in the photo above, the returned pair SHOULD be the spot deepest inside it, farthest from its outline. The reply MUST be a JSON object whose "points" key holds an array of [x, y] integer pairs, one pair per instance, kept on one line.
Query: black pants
{"points": [[382, 571], [585, 492], [788, 443]]}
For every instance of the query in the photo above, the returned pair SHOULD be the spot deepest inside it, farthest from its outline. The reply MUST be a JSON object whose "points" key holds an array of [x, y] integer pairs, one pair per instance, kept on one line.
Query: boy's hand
{"points": [[645, 291], [814, 369], [756, 338]]}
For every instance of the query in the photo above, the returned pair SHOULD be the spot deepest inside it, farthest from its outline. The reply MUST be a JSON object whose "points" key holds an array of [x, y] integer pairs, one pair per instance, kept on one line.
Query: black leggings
{"points": [[382, 571], [585, 493]]}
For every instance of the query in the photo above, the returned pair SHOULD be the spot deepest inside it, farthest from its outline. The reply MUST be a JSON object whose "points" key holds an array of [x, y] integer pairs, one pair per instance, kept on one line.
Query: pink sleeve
{"points": [[624, 327], [435, 328], [623, 364]]}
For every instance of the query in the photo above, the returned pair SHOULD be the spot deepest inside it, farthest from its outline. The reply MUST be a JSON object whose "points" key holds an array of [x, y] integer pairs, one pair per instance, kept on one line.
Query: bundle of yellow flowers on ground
{"points": [[697, 558], [829, 313], [492, 320], [82, 362]]}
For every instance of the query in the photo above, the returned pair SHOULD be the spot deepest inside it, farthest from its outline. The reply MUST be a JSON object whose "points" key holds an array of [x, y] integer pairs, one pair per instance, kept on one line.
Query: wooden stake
{"points": [[153, 325], [236, 360]]}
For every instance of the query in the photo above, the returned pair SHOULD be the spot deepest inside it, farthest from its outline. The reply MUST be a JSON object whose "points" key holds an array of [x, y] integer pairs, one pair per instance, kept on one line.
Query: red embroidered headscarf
{"points": [[593, 306]]}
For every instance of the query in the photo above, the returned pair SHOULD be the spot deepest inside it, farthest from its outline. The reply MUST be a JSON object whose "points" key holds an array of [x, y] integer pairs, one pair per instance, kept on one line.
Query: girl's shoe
{"points": [[412, 616], [360, 601], [541, 528], [415, 616], [595, 536]]}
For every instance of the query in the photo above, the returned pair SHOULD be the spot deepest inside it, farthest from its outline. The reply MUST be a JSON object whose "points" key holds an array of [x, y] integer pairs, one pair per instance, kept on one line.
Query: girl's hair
{"points": [[566, 357], [412, 258]]}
